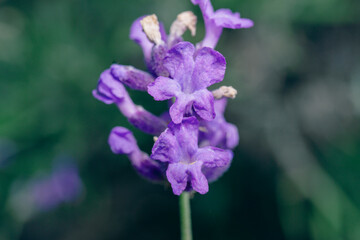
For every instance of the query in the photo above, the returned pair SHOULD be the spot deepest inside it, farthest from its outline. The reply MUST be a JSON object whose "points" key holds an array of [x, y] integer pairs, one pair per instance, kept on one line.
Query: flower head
{"points": [[179, 71], [178, 146], [191, 72]]}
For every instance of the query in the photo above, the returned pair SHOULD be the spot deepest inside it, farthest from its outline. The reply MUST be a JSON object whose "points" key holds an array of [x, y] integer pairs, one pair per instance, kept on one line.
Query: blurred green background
{"points": [[296, 171]]}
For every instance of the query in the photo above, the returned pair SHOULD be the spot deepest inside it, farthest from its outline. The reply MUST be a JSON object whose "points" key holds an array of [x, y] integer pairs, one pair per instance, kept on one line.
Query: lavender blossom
{"points": [[178, 146], [215, 21], [190, 74], [181, 74], [111, 90], [218, 132], [122, 141], [63, 185]]}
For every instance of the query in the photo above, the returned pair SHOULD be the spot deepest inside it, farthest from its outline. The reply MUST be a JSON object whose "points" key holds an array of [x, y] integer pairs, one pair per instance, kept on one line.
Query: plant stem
{"points": [[185, 216]]}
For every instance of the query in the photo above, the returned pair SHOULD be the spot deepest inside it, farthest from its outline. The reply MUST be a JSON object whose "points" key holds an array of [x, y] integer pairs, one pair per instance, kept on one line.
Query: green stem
{"points": [[185, 216]]}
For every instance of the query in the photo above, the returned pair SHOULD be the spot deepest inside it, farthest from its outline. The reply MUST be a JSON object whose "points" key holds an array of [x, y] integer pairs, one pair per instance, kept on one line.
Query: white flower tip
{"points": [[202, 129], [155, 138], [185, 20], [225, 91], [151, 27]]}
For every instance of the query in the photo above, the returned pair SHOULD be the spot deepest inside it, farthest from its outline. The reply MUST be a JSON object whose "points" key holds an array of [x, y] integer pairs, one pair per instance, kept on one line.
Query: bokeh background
{"points": [[296, 171]]}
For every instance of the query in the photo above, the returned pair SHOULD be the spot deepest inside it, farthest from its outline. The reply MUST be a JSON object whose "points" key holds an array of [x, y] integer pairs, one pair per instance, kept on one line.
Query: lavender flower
{"points": [[178, 146], [184, 156], [191, 73], [63, 185], [44, 193], [215, 21], [122, 141], [219, 133], [111, 90]]}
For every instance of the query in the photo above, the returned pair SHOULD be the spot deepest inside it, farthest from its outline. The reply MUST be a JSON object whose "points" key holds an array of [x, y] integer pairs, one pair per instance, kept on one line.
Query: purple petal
{"points": [[209, 68], [227, 19], [139, 37], [213, 173], [109, 90], [179, 62], [219, 133], [232, 136], [220, 105], [132, 77], [213, 156], [198, 180], [204, 104], [122, 141], [102, 98], [164, 88], [166, 148], [177, 177], [181, 106], [178, 142]]}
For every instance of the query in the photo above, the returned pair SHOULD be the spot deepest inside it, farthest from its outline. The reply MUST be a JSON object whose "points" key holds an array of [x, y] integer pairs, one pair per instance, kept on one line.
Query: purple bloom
{"points": [[218, 132], [63, 185], [215, 21], [122, 141], [138, 36], [190, 74], [111, 90], [178, 146], [187, 158]]}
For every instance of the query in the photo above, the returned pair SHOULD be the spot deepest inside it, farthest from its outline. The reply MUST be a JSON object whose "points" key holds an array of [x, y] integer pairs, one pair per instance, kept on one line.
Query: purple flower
{"points": [[138, 36], [218, 132], [111, 90], [215, 21], [122, 141], [63, 185], [190, 74], [178, 146]]}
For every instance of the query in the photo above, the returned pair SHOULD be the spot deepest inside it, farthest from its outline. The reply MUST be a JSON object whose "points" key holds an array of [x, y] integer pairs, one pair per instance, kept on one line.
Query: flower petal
{"points": [[198, 180], [166, 148], [109, 90], [213, 173], [209, 68], [178, 142], [179, 62], [232, 136], [181, 106], [163, 88], [138, 36], [213, 156], [122, 141], [132, 77], [227, 19], [177, 177], [204, 104]]}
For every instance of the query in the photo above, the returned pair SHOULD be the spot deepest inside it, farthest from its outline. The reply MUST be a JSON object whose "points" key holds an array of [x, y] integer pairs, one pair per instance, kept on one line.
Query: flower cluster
{"points": [[43, 193], [193, 141]]}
